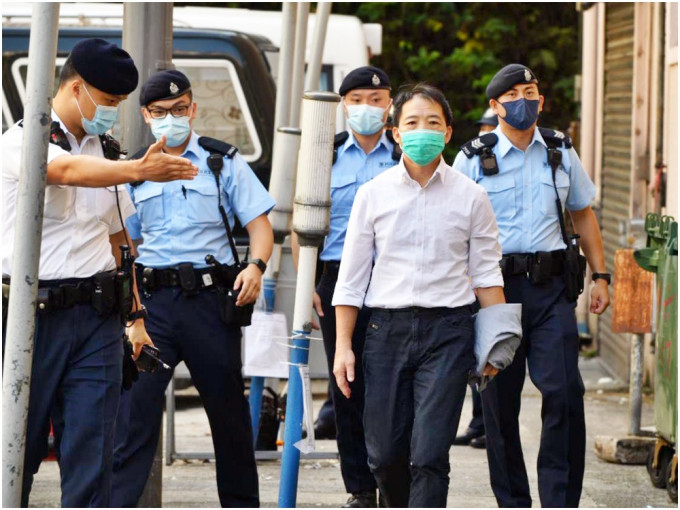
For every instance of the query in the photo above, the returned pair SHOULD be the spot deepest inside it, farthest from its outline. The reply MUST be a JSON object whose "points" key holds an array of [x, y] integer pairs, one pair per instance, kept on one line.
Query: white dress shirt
{"points": [[431, 245], [77, 222]]}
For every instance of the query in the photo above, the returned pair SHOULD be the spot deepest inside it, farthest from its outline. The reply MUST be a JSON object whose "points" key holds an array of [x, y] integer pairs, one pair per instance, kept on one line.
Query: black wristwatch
{"points": [[603, 276], [141, 313], [259, 263]]}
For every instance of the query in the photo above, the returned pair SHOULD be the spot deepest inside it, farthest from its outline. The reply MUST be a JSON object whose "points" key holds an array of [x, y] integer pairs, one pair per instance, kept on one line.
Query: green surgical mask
{"points": [[422, 146]]}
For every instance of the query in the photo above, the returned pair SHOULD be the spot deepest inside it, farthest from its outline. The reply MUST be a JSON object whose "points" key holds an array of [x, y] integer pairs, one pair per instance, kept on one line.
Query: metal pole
{"points": [[286, 51], [147, 36], [18, 356], [310, 222], [299, 64], [323, 12], [636, 372]]}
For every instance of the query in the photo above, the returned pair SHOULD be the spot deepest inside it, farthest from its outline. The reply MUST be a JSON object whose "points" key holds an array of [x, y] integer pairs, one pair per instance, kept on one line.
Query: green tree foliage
{"points": [[458, 47]]}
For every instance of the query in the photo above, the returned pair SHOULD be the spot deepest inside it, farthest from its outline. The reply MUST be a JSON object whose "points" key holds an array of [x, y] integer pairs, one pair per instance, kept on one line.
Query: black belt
{"points": [[152, 278], [524, 263], [331, 267], [421, 310], [65, 293]]}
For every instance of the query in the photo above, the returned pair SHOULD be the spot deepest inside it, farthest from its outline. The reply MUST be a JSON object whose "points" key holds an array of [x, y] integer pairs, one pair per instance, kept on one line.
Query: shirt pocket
{"points": [[149, 204], [343, 191], [202, 203], [501, 191], [105, 199], [59, 202], [548, 205]]}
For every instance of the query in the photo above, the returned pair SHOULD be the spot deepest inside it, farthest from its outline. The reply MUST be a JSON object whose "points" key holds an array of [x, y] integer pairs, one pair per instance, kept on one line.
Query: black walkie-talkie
{"points": [[124, 282]]}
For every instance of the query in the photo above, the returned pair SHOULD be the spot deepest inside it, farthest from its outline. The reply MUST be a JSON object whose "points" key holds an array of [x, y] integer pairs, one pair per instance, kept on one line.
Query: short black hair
{"points": [[429, 92], [68, 72]]}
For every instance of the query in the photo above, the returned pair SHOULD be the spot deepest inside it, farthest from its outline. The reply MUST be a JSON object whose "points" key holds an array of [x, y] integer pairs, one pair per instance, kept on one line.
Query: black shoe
{"points": [[479, 442], [324, 429], [467, 437], [361, 500]]}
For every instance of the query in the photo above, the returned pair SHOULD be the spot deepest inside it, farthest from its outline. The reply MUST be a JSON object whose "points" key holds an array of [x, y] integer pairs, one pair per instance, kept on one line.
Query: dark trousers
{"points": [[76, 380], [348, 411], [550, 348], [189, 329], [416, 366]]}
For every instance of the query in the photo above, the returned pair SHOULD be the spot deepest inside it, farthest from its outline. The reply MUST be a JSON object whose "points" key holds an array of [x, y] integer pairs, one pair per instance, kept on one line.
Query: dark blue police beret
{"points": [[164, 85], [367, 77], [489, 118], [507, 78], [105, 66]]}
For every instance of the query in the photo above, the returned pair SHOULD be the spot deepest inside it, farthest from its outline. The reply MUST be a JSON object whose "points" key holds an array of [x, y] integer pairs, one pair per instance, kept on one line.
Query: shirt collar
{"points": [[351, 140], [440, 172], [504, 144], [193, 145]]}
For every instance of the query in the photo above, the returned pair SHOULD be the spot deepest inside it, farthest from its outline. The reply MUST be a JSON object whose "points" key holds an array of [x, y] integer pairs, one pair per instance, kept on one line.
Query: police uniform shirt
{"points": [[352, 169], [431, 245], [179, 221], [523, 196], [77, 222]]}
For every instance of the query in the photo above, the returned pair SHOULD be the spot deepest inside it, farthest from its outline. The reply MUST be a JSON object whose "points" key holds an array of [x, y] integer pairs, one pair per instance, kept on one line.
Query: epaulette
{"points": [[214, 145], [475, 146], [340, 138], [555, 139]]}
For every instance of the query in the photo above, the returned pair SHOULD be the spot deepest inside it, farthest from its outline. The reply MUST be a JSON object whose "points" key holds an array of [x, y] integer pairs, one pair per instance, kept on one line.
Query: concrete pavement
{"points": [[192, 483]]}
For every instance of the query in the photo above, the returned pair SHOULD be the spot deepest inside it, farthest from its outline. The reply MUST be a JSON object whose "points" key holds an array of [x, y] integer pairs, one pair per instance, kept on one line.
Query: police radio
{"points": [[124, 282]]}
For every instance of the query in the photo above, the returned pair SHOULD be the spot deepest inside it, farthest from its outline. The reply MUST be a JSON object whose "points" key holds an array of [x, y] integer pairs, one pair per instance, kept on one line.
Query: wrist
{"points": [[136, 170]]}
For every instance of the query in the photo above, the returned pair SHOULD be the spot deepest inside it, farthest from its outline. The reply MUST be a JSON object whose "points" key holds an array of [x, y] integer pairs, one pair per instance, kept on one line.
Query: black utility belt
{"points": [[537, 266], [100, 291], [184, 275]]}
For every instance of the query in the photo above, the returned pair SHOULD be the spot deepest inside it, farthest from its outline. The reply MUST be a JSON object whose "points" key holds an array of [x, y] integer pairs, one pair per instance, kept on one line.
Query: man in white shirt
{"points": [[78, 353], [422, 240]]}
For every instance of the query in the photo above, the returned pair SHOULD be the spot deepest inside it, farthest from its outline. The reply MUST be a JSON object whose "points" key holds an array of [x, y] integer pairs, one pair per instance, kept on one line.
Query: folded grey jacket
{"points": [[498, 333]]}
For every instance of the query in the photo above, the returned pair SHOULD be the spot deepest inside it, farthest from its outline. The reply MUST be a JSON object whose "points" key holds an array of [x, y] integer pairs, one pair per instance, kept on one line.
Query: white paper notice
{"points": [[306, 445], [264, 355]]}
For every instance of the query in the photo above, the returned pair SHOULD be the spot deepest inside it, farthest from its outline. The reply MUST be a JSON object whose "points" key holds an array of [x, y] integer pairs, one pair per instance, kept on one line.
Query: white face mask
{"points": [[104, 117], [365, 119]]}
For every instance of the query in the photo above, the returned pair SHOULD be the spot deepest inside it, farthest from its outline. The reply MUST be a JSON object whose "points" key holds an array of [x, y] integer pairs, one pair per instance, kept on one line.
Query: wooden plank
{"points": [[632, 302]]}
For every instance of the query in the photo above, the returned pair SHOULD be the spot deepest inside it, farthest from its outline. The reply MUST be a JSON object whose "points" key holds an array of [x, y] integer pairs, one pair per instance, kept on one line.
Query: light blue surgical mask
{"points": [[521, 113], [104, 117], [175, 129], [365, 119], [423, 146]]}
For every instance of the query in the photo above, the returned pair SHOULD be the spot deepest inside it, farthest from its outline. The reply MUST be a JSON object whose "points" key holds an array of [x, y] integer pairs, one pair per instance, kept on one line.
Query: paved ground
{"points": [[192, 483]]}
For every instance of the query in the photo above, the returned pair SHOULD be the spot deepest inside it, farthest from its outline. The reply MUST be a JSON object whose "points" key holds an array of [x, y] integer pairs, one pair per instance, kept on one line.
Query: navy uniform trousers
{"points": [[76, 381], [348, 411], [550, 348], [188, 328], [416, 367]]}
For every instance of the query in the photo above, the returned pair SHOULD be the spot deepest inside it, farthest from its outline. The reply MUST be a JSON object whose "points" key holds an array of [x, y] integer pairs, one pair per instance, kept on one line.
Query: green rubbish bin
{"points": [[661, 257]]}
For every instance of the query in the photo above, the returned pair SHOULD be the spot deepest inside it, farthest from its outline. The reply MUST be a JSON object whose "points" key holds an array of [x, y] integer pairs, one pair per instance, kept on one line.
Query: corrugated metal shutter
{"points": [[616, 193]]}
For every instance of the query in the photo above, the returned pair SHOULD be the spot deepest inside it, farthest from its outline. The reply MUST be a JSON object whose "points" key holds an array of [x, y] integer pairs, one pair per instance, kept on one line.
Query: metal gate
{"points": [[616, 148]]}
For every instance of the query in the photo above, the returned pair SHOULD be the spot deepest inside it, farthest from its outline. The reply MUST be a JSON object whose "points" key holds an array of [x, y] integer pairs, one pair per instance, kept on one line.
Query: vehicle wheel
{"points": [[672, 487], [657, 475]]}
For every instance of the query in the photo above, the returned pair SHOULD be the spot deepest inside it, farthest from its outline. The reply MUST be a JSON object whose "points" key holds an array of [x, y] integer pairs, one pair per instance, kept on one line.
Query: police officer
{"points": [[525, 169], [474, 435], [76, 372], [189, 301], [361, 153]]}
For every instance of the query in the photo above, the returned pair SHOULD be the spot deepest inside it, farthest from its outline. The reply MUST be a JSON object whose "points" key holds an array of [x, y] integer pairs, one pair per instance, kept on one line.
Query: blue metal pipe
{"points": [[290, 461]]}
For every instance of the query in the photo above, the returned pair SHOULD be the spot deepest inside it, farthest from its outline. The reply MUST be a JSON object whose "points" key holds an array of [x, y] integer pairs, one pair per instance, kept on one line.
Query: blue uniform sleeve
{"points": [[581, 188], [248, 198], [132, 223], [464, 165]]}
